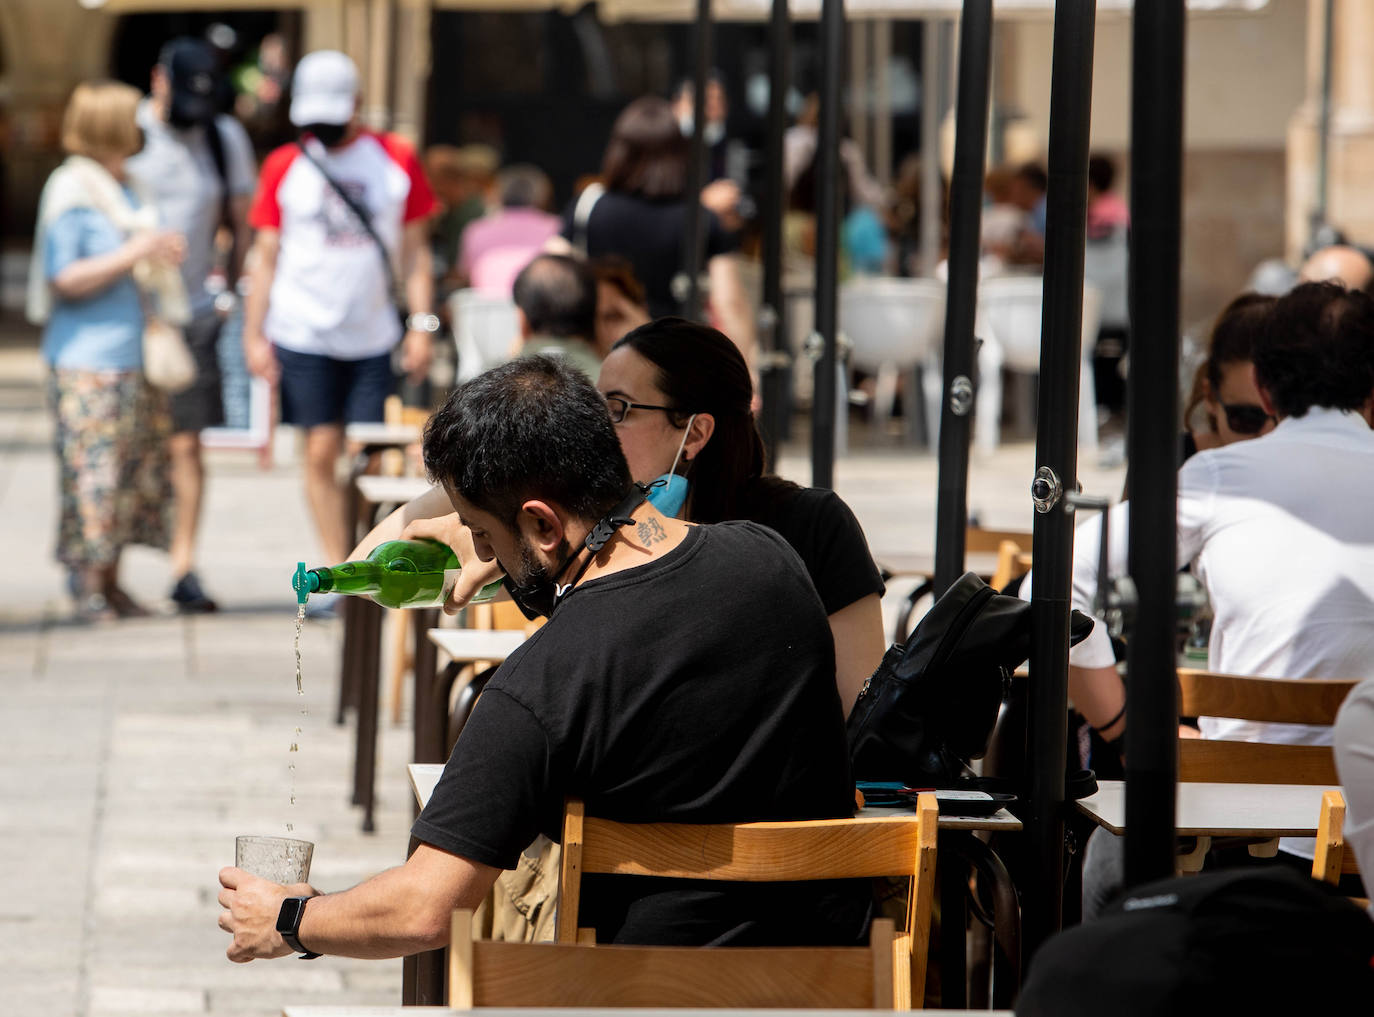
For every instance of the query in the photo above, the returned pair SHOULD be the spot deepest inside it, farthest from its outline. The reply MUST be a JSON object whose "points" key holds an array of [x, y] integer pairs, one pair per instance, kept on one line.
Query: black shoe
{"points": [[190, 598]]}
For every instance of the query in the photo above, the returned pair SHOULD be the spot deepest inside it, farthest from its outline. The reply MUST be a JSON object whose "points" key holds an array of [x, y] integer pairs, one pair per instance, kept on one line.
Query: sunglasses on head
{"points": [[1244, 418]]}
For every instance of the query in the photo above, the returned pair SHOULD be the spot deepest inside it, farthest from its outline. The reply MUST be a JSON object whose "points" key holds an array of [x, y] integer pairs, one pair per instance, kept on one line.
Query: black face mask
{"points": [[329, 135], [539, 595]]}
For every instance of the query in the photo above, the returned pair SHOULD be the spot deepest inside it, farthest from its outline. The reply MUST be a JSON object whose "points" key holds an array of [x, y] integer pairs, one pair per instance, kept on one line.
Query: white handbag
{"points": [[167, 361]]}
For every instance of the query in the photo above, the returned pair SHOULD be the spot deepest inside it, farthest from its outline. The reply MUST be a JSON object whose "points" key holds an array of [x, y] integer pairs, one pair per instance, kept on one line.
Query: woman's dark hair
{"points": [[616, 270], [1317, 349], [1232, 342], [532, 428], [1101, 173], [1233, 335], [701, 371], [647, 153]]}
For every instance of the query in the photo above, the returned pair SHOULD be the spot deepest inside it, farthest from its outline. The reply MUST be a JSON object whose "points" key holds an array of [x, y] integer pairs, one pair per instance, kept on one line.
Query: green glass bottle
{"points": [[398, 573]]}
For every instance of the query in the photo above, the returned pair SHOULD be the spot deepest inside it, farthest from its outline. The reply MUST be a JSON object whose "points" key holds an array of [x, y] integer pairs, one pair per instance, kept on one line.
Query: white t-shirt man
{"points": [[329, 293], [1281, 532]]}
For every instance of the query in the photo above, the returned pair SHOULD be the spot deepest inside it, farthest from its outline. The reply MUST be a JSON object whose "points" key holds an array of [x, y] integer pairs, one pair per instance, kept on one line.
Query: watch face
{"points": [[289, 918]]}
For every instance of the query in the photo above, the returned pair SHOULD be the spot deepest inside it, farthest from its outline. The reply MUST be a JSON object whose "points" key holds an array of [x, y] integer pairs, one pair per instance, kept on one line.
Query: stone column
{"points": [[49, 48], [412, 69], [1350, 153]]}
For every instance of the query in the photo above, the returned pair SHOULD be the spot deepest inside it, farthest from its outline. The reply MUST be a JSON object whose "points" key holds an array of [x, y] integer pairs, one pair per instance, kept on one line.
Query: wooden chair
{"points": [[1271, 700], [1332, 860], [766, 852], [490, 973]]}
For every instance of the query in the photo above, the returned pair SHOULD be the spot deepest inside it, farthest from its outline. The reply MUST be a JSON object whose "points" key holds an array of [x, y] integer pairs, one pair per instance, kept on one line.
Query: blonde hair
{"points": [[100, 120]]}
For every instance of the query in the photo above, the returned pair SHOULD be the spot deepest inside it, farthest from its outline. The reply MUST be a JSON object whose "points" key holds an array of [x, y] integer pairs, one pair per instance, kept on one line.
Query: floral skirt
{"points": [[112, 430]]}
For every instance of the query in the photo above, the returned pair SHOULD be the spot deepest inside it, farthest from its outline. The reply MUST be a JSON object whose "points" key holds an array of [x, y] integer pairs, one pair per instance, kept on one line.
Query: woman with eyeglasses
{"points": [[679, 394]]}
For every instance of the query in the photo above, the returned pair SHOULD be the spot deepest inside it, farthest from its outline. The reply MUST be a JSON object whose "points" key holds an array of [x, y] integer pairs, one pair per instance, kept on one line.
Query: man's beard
{"points": [[530, 570]]}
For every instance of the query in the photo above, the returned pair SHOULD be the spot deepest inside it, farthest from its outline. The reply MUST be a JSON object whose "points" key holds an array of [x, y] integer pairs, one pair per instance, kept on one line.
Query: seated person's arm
{"points": [[401, 911], [431, 517], [859, 645], [433, 502]]}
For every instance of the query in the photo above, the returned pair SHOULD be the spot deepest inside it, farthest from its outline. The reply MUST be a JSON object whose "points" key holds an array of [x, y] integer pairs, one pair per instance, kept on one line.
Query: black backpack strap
{"points": [[363, 216]]}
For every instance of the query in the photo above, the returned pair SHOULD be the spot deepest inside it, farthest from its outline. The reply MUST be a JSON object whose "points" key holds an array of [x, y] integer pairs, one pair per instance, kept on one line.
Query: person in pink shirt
{"points": [[1107, 210], [496, 247]]}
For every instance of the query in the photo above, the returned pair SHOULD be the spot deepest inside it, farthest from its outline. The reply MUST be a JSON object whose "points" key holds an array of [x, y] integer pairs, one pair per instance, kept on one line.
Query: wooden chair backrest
{"points": [[763, 852], [978, 539], [1332, 860], [492, 973], [1270, 700]]}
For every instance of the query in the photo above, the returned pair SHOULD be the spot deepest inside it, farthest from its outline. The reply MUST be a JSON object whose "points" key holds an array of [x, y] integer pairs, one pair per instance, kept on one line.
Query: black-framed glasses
{"points": [[620, 408], [1246, 418]]}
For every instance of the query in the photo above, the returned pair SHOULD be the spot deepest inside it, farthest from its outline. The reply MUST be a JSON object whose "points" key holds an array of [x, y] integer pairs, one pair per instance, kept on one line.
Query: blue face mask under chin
{"points": [[668, 494]]}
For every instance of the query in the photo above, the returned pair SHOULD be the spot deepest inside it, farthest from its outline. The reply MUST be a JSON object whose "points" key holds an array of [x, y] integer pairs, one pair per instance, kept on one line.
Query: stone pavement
{"points": [[134, 752]]}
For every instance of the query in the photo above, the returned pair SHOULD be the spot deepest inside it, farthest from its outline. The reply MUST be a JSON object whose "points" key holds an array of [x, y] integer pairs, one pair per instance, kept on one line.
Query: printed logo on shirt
{"points": [[340, 223]]}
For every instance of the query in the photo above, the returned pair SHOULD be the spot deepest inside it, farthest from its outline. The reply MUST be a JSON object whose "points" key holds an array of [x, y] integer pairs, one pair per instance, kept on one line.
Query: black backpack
{"points": [[1252, 941], [932, 703]]}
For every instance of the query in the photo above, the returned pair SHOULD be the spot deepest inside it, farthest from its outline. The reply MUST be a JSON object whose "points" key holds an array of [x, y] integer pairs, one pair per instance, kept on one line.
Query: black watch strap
{"points": [[289, 925]]}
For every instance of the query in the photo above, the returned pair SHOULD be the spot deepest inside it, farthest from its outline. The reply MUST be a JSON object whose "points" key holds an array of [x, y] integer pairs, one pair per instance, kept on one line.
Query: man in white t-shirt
{"points": [[320, 318], [1278, 529], [197, 167]]}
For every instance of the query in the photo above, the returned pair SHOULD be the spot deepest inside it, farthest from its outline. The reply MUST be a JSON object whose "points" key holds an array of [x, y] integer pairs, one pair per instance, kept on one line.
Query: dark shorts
{"points": [[201, 405], [319, 390]]}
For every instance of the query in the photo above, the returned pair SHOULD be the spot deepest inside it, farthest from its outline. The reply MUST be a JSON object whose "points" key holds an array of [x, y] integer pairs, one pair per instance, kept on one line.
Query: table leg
{"points": [[369, 668], [348, 678], [953, 921]]}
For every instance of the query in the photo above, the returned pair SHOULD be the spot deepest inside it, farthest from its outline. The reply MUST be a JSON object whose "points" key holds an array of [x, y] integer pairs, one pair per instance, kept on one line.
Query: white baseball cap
{"points": [[324, 89]]}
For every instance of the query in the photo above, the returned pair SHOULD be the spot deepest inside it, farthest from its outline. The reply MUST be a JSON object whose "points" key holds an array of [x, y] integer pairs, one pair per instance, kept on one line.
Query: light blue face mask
{"points": [[669, 492]]}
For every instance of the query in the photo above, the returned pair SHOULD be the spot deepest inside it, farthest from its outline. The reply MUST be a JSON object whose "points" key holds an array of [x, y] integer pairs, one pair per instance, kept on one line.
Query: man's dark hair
{"points": [[557, 295], [1317, 349], [1101, 173], [532, 428]]}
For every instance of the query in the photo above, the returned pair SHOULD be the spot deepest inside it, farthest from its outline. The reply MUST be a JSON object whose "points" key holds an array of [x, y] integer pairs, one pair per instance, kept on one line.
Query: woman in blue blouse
{"points": [[94, 240]]}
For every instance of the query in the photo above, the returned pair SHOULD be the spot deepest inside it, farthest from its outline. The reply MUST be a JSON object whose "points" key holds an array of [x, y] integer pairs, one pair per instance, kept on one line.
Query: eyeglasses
{"points": [[1245, 418], [620, 408]]}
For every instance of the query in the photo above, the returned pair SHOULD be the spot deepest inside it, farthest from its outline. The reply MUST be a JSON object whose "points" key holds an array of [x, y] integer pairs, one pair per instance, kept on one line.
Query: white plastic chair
{"points": [[894, 326], [1009, 312], [486, 328]]}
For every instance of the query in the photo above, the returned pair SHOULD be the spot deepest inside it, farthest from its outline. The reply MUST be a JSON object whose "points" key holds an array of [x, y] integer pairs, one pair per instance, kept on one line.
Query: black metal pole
{"points": [[823, 404], [773, 369], [961, 301], [694, 240], [1156, 228], [1056, 455], [1318, 217]]}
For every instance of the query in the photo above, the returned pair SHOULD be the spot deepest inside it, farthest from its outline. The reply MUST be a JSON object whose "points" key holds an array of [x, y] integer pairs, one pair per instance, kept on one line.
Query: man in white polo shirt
{"points": [[339, 215]]}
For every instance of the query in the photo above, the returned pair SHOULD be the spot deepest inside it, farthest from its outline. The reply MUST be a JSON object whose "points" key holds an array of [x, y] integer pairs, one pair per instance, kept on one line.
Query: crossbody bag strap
{"points": [[363, 216]]}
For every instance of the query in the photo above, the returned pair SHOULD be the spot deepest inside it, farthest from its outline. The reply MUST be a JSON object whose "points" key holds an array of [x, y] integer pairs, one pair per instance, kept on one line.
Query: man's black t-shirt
{"points": [[650, 234], [823, 531], [699, 688]]}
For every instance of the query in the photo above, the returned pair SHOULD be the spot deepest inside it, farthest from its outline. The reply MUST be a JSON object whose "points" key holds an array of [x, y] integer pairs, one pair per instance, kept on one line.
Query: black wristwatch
{"points": [[289, 925]]}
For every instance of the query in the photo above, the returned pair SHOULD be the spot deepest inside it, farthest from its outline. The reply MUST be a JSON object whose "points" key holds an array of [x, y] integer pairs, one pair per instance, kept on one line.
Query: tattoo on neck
{"points": [[650, 532]]}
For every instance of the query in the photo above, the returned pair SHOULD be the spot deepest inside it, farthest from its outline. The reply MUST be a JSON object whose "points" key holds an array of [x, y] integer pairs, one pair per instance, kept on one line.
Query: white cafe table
{"points": [[1205, 810], [423, 777], [395, 435], [378, 490], [561, 1011]]}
